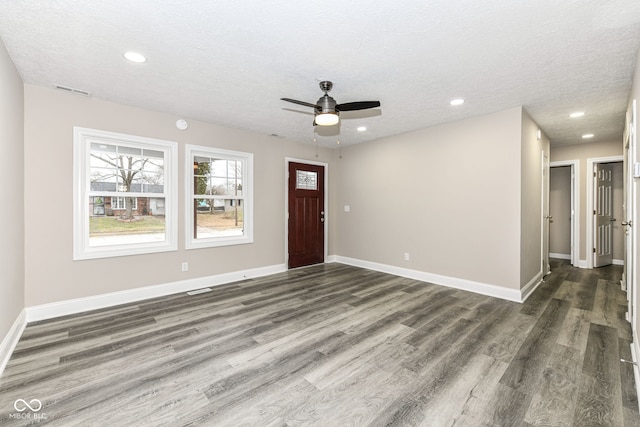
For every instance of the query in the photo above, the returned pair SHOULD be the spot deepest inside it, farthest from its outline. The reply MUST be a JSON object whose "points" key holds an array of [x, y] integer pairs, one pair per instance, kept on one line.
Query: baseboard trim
{"points": [[451, 282], [582, 263], [11, 339], [635, 353], [560, 256], [618, 262], [530, 287], [79, 305]]}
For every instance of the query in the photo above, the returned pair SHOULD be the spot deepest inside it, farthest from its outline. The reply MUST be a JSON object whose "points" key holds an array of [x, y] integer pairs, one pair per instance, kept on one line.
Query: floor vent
{"points": [[199, 291]]}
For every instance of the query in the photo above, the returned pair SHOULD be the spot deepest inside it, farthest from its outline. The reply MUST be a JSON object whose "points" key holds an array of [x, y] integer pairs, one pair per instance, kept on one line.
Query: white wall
{"points": [[447, 195], [52, 275], [11, 194]]}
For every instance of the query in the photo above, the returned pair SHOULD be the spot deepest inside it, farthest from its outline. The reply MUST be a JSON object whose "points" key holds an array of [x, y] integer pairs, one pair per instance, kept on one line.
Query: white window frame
{"points": [[247, 197], [82, 139], [121, 199]]}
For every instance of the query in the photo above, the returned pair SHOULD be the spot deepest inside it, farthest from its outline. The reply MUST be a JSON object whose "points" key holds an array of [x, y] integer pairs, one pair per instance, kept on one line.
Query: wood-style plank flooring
{"points": [[335, 345]]}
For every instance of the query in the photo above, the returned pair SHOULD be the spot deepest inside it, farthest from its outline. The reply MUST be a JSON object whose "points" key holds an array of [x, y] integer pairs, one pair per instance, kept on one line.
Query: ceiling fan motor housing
{"points": [[326, 104]]}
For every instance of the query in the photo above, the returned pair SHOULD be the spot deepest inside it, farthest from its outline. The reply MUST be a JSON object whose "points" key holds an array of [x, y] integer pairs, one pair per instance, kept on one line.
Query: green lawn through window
{"points": [[100, 225]]}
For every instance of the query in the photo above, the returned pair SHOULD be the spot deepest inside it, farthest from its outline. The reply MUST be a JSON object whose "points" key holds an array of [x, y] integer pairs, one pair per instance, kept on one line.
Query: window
{"points": [[219, 197], [114, 175], [120, 203]]}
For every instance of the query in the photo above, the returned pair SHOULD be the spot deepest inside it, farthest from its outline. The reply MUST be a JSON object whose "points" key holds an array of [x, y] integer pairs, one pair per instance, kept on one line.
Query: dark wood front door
{"points": [[306, 214]]}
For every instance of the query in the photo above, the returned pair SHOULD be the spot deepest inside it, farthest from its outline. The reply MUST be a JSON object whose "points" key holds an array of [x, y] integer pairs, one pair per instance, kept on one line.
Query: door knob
{"points": [[625, 223]]}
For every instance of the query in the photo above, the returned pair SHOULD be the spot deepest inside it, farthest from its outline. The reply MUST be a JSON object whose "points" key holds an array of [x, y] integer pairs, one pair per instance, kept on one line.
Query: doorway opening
{"points": [[564, 202]]}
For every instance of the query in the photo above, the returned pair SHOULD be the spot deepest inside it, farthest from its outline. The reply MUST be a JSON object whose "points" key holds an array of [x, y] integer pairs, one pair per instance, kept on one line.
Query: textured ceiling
{"points": [[230, 62]]}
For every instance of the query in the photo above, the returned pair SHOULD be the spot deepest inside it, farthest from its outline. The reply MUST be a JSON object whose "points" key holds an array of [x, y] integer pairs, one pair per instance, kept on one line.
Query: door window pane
{"points": [[306, 180]]}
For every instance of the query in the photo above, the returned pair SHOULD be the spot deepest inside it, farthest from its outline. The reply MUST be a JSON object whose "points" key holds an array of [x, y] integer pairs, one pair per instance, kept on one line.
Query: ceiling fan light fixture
{"points": [[327, 119]]}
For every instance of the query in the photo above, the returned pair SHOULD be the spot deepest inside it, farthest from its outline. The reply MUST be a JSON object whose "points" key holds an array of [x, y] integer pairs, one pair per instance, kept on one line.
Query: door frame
{"points": [[629, 282], [591, 162], [327, 216], [575, 206], [546, 219]]}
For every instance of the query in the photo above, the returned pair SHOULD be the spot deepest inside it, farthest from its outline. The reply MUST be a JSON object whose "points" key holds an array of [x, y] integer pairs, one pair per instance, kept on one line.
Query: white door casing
{"points": [[546, 267], [630, 209]]}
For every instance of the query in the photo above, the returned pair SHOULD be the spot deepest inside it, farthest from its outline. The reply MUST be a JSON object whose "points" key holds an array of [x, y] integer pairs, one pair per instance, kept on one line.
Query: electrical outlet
{"points": [[406, 256], [185, 266]]}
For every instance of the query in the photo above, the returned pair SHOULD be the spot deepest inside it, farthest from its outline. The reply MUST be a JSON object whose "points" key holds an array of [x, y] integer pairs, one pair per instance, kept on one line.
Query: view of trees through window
{"points": [[127, 194], [218, 197]]}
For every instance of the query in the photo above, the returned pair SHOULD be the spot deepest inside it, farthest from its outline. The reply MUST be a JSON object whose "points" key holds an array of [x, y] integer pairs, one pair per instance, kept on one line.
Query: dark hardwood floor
{"points": [[334, 345]]}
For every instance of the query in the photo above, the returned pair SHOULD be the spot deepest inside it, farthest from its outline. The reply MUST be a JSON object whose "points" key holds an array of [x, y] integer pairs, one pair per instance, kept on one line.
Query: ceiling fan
{"points": [[327, 110]]}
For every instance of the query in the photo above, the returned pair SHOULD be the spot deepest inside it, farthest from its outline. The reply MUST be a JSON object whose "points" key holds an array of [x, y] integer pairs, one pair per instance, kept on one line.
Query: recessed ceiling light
{"points": [[458, 101], [576, 114], [587, 136], [362, 128], [135, 57]]}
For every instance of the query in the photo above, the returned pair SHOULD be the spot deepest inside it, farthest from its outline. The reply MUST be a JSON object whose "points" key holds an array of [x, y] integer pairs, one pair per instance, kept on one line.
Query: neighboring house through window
{"points": [[117, 180], [219, 197]]}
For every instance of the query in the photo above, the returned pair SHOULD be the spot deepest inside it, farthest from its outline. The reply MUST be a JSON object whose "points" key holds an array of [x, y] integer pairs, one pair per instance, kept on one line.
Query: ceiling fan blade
{"points": [[360, 105], [295, 101]]}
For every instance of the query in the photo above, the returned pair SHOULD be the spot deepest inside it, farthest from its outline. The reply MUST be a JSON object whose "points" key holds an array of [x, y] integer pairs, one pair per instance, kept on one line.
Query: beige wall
{"points": [[560, 210], [582, 152], [52, 275], [11, 194], [531, 267], [447, 195]]}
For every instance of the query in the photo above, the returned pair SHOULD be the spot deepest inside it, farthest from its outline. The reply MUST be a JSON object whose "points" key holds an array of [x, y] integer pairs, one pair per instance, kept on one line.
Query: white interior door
{"points": [[603, 248]]}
